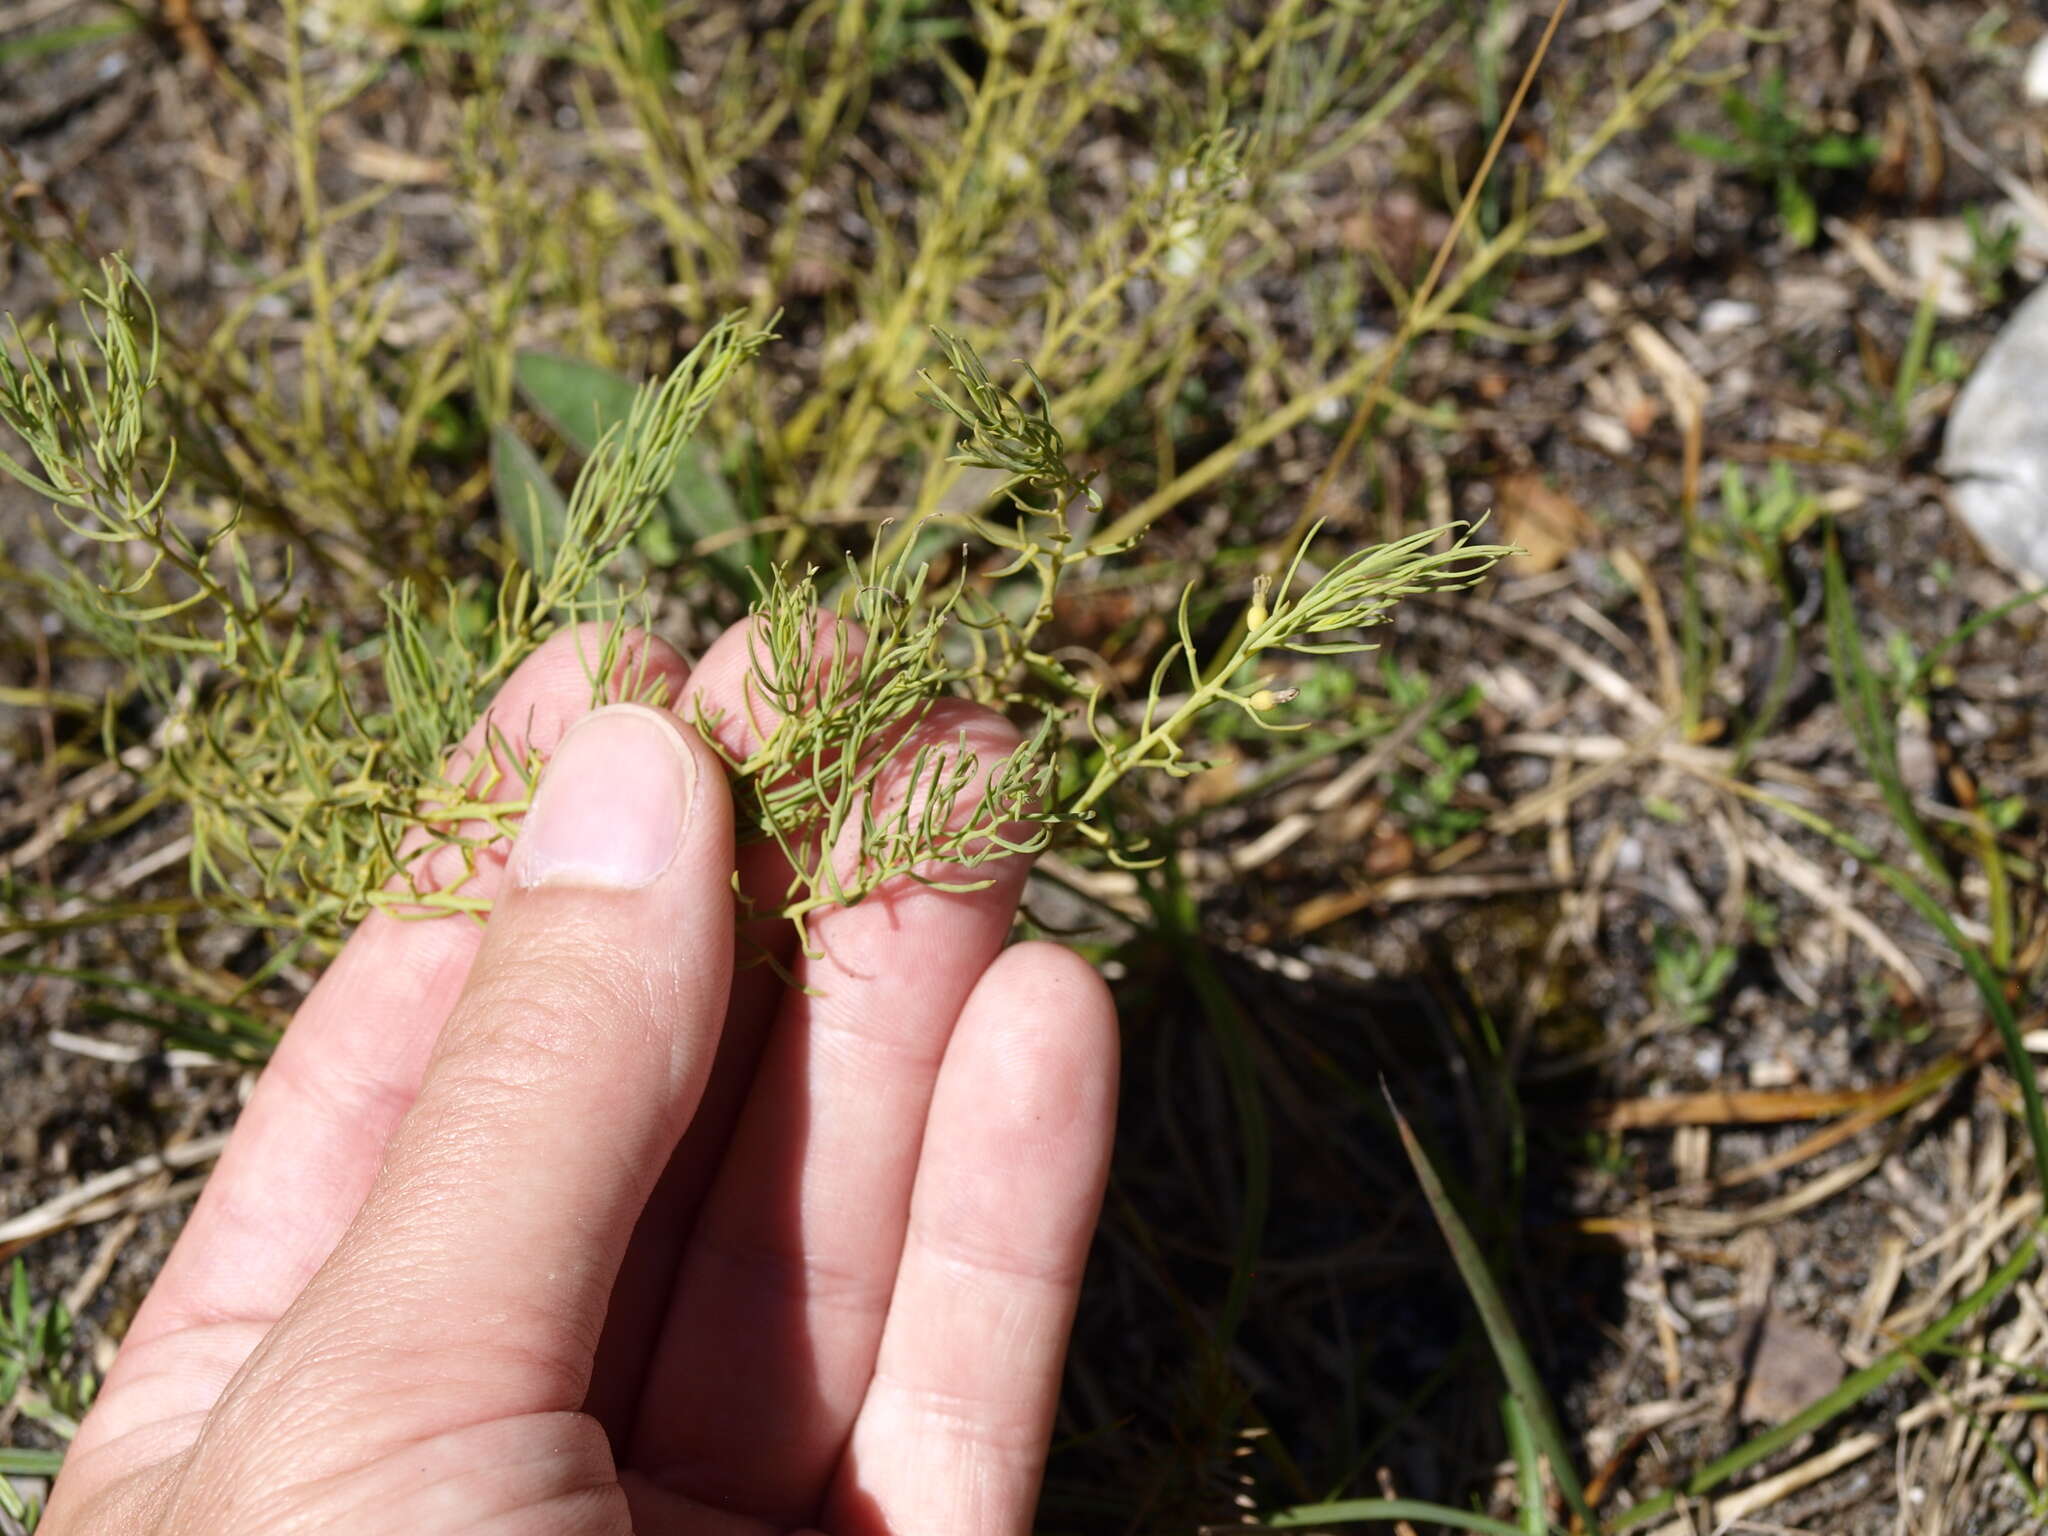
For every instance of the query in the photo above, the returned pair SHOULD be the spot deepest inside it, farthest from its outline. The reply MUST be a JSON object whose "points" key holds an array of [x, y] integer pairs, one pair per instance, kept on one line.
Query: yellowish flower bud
{"points": [[1258, 612], [1268, 698]]}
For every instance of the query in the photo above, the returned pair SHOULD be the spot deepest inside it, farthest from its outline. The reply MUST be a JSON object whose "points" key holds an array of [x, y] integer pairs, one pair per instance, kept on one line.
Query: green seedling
{"points": [[1770, 142], [1427, 801], [1994, 252], [1690, 976], [39, 1365], [1766, 521]]}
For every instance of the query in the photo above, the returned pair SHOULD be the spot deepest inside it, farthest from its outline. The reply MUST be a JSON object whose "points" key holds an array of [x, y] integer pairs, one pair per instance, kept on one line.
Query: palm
{"points": [[743, 1359], [842, 1305]]}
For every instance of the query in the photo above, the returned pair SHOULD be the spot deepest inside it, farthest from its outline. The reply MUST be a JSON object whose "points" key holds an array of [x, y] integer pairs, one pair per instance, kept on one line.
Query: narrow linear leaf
{"points": [[36, 45], [1388, 1511], [1966, 631], [1797, 211], [1227, 1023], [1913, 361], [1840, 152], [1528, 1465], [1499, 1322], [220, 1028], [1862, 701], [18, 1301]]}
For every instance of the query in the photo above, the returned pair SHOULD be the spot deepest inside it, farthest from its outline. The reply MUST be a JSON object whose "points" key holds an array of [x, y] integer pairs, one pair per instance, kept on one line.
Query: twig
{"points": [[1291, 829], [1604, 679], [1761, 1496], [61, 1211]]}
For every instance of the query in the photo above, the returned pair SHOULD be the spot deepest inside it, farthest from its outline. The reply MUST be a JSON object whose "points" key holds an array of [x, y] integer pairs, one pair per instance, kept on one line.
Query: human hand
{"points": [[563, 1224]]}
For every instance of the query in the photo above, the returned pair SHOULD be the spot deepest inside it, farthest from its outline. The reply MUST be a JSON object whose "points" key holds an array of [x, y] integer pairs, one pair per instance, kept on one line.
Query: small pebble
{"points": [[1773, 1072], [1720, 316]]}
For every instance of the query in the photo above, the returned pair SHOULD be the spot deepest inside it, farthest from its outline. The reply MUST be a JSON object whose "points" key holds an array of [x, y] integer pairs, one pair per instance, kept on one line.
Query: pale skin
{"points": [[567, 1223]]}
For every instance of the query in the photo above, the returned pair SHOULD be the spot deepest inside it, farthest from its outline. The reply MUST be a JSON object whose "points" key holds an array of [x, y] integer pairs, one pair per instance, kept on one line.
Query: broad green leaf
{"points": [[582, 402], [530, 504]]}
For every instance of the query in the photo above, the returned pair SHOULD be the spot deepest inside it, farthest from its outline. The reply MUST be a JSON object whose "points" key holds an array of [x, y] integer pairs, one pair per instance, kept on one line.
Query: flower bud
{"points": [[1258, 612]]}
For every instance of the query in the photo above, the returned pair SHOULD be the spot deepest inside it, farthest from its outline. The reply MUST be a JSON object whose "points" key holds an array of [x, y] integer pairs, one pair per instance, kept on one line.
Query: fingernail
{"points": [[611, 806]]}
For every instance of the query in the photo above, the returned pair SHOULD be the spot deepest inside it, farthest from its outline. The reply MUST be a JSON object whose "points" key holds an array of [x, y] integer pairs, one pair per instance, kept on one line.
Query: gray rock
{"points": [[2035, 81], [1995, 452]]}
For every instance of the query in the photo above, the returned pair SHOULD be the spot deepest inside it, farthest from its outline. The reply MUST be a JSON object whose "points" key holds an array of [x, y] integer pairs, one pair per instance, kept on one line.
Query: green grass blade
{"points": [[219, 1029], [1913, 361], [1932, 656], [177, 1032], [1506, 1339], [1783, 669], [37, 45], [1987, 1435], [224, 1018], [583, 401], [18, 1462], [1528, 1465], [1387, 1511], [1227, 1024], [19, 1316], [1863, 704]]}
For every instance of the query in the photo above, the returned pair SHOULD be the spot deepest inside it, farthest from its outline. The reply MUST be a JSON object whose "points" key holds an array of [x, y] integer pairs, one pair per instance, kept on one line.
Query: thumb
{"points": [[553, 1098]]}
